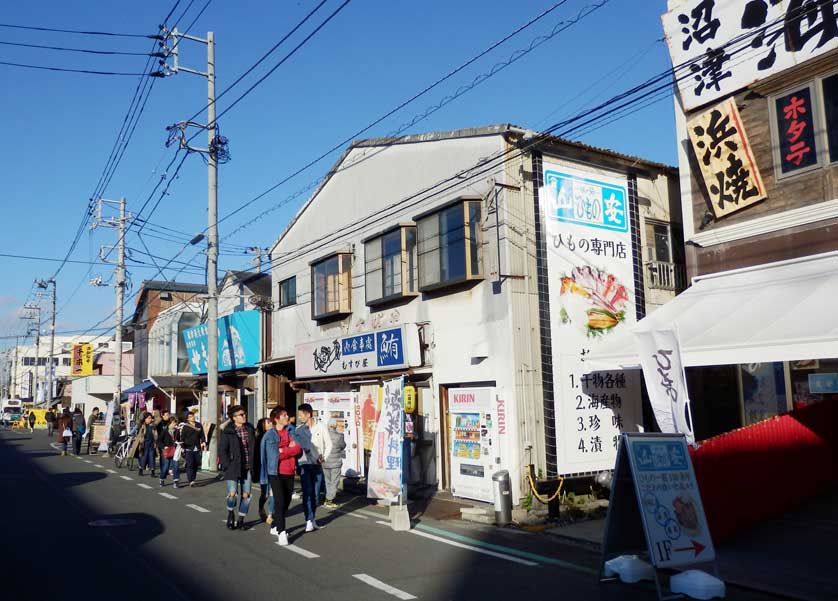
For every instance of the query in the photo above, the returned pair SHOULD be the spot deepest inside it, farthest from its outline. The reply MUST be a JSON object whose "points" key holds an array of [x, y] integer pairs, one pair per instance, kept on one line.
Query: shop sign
{"points": [[239, 345], [590, 270], [722, 46], [384, 480], [82, 360], [727, 164], [823, 383], [390, 348], [796, 127]]}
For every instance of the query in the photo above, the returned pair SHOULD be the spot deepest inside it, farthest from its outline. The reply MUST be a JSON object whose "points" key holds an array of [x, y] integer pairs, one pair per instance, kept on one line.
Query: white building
{"points": [[97, 390], [431, 257]]}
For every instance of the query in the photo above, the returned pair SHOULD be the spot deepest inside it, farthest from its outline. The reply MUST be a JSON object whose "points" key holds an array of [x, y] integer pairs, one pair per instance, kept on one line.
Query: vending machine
{"points": [[473, 442], [341, 406]]}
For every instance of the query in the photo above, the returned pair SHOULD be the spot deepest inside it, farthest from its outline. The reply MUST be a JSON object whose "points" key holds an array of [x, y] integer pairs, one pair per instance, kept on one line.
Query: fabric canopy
{"points": [[141, 387], [781, 311]]}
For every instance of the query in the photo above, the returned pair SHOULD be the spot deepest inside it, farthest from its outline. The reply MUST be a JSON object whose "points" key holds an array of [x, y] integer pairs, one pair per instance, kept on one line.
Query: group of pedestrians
{"points": [[164, 442], [276, 452]]}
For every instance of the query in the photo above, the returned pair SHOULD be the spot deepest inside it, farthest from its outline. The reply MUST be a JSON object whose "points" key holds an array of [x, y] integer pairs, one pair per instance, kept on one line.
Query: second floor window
{"points": [[390, 262], [331, 285], [288, 292], [450, 245]]}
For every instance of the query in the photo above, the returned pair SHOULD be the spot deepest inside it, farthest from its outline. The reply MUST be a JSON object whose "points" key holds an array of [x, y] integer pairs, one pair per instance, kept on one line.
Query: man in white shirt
{"points": [[314, 439]]}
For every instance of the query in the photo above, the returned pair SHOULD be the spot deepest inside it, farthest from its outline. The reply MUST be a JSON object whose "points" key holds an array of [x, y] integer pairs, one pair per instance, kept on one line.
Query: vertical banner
{"points": [[666, 382], [368, 415], [590, 270], [112, 407], [384, 480], [82, 363]]}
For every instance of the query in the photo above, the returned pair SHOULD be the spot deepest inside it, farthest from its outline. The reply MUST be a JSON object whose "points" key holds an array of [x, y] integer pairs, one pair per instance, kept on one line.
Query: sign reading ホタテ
{"points": [[390, 348]]}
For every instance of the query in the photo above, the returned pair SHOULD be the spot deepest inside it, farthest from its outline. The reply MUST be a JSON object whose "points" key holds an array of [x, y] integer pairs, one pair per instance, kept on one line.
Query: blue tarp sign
{"points": [[239, 346]]}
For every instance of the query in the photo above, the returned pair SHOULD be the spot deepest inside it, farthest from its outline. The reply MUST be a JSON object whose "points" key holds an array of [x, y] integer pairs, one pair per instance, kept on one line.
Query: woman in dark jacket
{"points": [[64, 427], [236, 450], [194, 441], [166, 432]]}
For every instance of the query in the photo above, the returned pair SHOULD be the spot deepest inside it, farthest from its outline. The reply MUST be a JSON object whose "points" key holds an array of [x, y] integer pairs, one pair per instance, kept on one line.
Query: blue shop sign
{"points": [[823, 383], [239, 345], [587, 201]]}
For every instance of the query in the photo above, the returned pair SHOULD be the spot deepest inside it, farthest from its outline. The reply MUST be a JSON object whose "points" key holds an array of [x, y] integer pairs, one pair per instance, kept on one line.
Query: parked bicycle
{"points": [[122, 456]]}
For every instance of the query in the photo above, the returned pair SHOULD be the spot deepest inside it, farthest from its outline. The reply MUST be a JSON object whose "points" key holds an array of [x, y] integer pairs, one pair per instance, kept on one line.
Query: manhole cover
{"points": [[112, 523]]}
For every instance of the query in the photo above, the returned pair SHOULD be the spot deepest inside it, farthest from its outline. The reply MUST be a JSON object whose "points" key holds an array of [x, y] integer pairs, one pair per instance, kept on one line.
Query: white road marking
{"points": [[88, 461], [126, 478], [383, 586], [112, 471], [146, 486], [99, 466], [198, 508], [472, 548], [351, 514], [166, 495], [299, 551]]}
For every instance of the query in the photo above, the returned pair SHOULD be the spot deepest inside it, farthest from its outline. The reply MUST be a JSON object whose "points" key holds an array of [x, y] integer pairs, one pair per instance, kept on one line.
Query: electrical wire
{"points": [[76, 31], [66, 70], [83, 50]]}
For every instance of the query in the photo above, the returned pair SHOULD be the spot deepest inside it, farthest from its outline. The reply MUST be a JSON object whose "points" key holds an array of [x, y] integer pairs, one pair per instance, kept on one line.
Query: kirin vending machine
{"points": [[473, 442]]}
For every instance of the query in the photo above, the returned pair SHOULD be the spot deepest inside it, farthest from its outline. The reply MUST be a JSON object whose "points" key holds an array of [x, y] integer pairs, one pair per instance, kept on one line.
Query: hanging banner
{"points": [[343, 408], [82, 360], [370, 403], [239, 345], [770, 37], [26, 385], [384, 480], [112, 407], [666, 382], [721, 148], [590, 267]]}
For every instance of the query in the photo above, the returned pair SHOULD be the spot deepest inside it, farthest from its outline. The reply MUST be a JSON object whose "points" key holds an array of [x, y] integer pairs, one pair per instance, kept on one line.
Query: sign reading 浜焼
{"points": [[721, 46], [82, 360], [590, 270], [389, 348], [721, 147]]}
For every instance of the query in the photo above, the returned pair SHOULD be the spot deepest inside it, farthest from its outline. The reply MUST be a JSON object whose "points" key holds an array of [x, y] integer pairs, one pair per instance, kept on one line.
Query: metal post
{"points": [[120, 294], [50, 365], [212, 257], [14, 373]]}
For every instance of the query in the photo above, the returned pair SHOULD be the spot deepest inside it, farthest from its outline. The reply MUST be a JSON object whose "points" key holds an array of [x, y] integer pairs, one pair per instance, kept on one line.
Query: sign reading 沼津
{"points": [[238, 342], [342, 407], [82, 360], [591, 282], [722, 46], [384, 480], [727, 165], [390, 348], [663, 370]]}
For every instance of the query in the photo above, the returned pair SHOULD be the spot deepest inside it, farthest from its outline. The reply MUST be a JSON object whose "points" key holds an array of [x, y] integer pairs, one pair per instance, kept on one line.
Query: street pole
{"points": [[120, 294], [37, 318], [50, 369], [14, 373], [212, 256]]}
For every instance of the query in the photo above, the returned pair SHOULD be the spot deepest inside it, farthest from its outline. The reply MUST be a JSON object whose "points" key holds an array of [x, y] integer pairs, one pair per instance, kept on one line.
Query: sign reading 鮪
{"points": [[390, 348], [590, 271]]}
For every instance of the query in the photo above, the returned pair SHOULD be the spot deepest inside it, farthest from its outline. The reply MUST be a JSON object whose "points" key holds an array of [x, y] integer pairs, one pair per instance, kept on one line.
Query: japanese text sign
{"points": [[239, 345], [384, 480], [727, 165], [587, 201], [82, 360], [796, 127], [724, 45]]}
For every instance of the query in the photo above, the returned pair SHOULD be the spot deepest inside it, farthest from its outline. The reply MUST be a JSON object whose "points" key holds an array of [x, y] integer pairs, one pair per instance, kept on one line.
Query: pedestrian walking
{"points": [[166, 433], [193, 441], [50, 418], [279, 462], [64, 426], [144, 444], [79, 429], [31, 419], [334, 461], [316, 445], [236, 450], [264, 426], [7, 419]]}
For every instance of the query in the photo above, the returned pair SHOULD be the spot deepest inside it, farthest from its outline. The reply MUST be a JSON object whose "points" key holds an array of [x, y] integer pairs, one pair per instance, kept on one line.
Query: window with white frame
{"points": [[390, 265], [331, 285], [804, 125], [449, 245], [288, 292]]}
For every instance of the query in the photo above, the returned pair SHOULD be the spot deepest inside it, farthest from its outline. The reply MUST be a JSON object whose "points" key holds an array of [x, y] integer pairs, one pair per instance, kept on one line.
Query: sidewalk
{"points": [[793, 555]]}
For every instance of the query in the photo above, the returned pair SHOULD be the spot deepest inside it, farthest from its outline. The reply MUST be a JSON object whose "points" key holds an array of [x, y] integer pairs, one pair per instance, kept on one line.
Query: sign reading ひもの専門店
{"points": [[721, 148], [590, 267], [238, 342], [379, 350], [721, 46]]}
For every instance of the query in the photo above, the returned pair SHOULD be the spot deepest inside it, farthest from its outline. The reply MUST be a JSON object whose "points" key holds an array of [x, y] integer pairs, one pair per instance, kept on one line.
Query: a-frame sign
{"points": [[655, 506]]}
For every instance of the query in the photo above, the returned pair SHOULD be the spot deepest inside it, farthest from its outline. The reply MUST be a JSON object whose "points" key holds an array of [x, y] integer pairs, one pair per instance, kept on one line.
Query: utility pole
{"points": [[14, 373], [119, 283], [215, 144], [50, 373], [257, 259], [37, 319]]}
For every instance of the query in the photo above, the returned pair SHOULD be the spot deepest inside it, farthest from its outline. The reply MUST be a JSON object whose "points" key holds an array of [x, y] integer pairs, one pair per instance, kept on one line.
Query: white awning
{"points": [[781, 311]]}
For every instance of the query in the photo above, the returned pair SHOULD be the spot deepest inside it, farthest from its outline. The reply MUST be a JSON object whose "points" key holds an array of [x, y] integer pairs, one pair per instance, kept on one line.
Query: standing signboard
{"points": [[384, 480], [590, 271], [473, 441], [341, 406], [109, 417], [655, 504]]}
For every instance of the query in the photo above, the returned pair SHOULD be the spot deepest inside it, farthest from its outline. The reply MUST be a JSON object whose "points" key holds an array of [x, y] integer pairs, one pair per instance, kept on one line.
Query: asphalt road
{"points": [[173, 545]]}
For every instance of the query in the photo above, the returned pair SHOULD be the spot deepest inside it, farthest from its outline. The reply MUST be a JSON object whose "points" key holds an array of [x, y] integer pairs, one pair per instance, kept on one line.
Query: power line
{"points": [[54, 259], [66, 70], [84, 50], [76, 31]]}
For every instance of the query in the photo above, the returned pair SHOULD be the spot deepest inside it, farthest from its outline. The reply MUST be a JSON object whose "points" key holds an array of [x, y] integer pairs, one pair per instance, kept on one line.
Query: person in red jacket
{"points": [[279, 460]]}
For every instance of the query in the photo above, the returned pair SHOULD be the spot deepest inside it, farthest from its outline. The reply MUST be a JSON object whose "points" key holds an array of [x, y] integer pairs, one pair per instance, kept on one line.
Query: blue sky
{"points": [[59, 127]]}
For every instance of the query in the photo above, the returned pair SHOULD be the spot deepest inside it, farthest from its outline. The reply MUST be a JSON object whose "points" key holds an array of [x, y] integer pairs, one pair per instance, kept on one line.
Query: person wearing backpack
{"points": [[79, 429]]}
